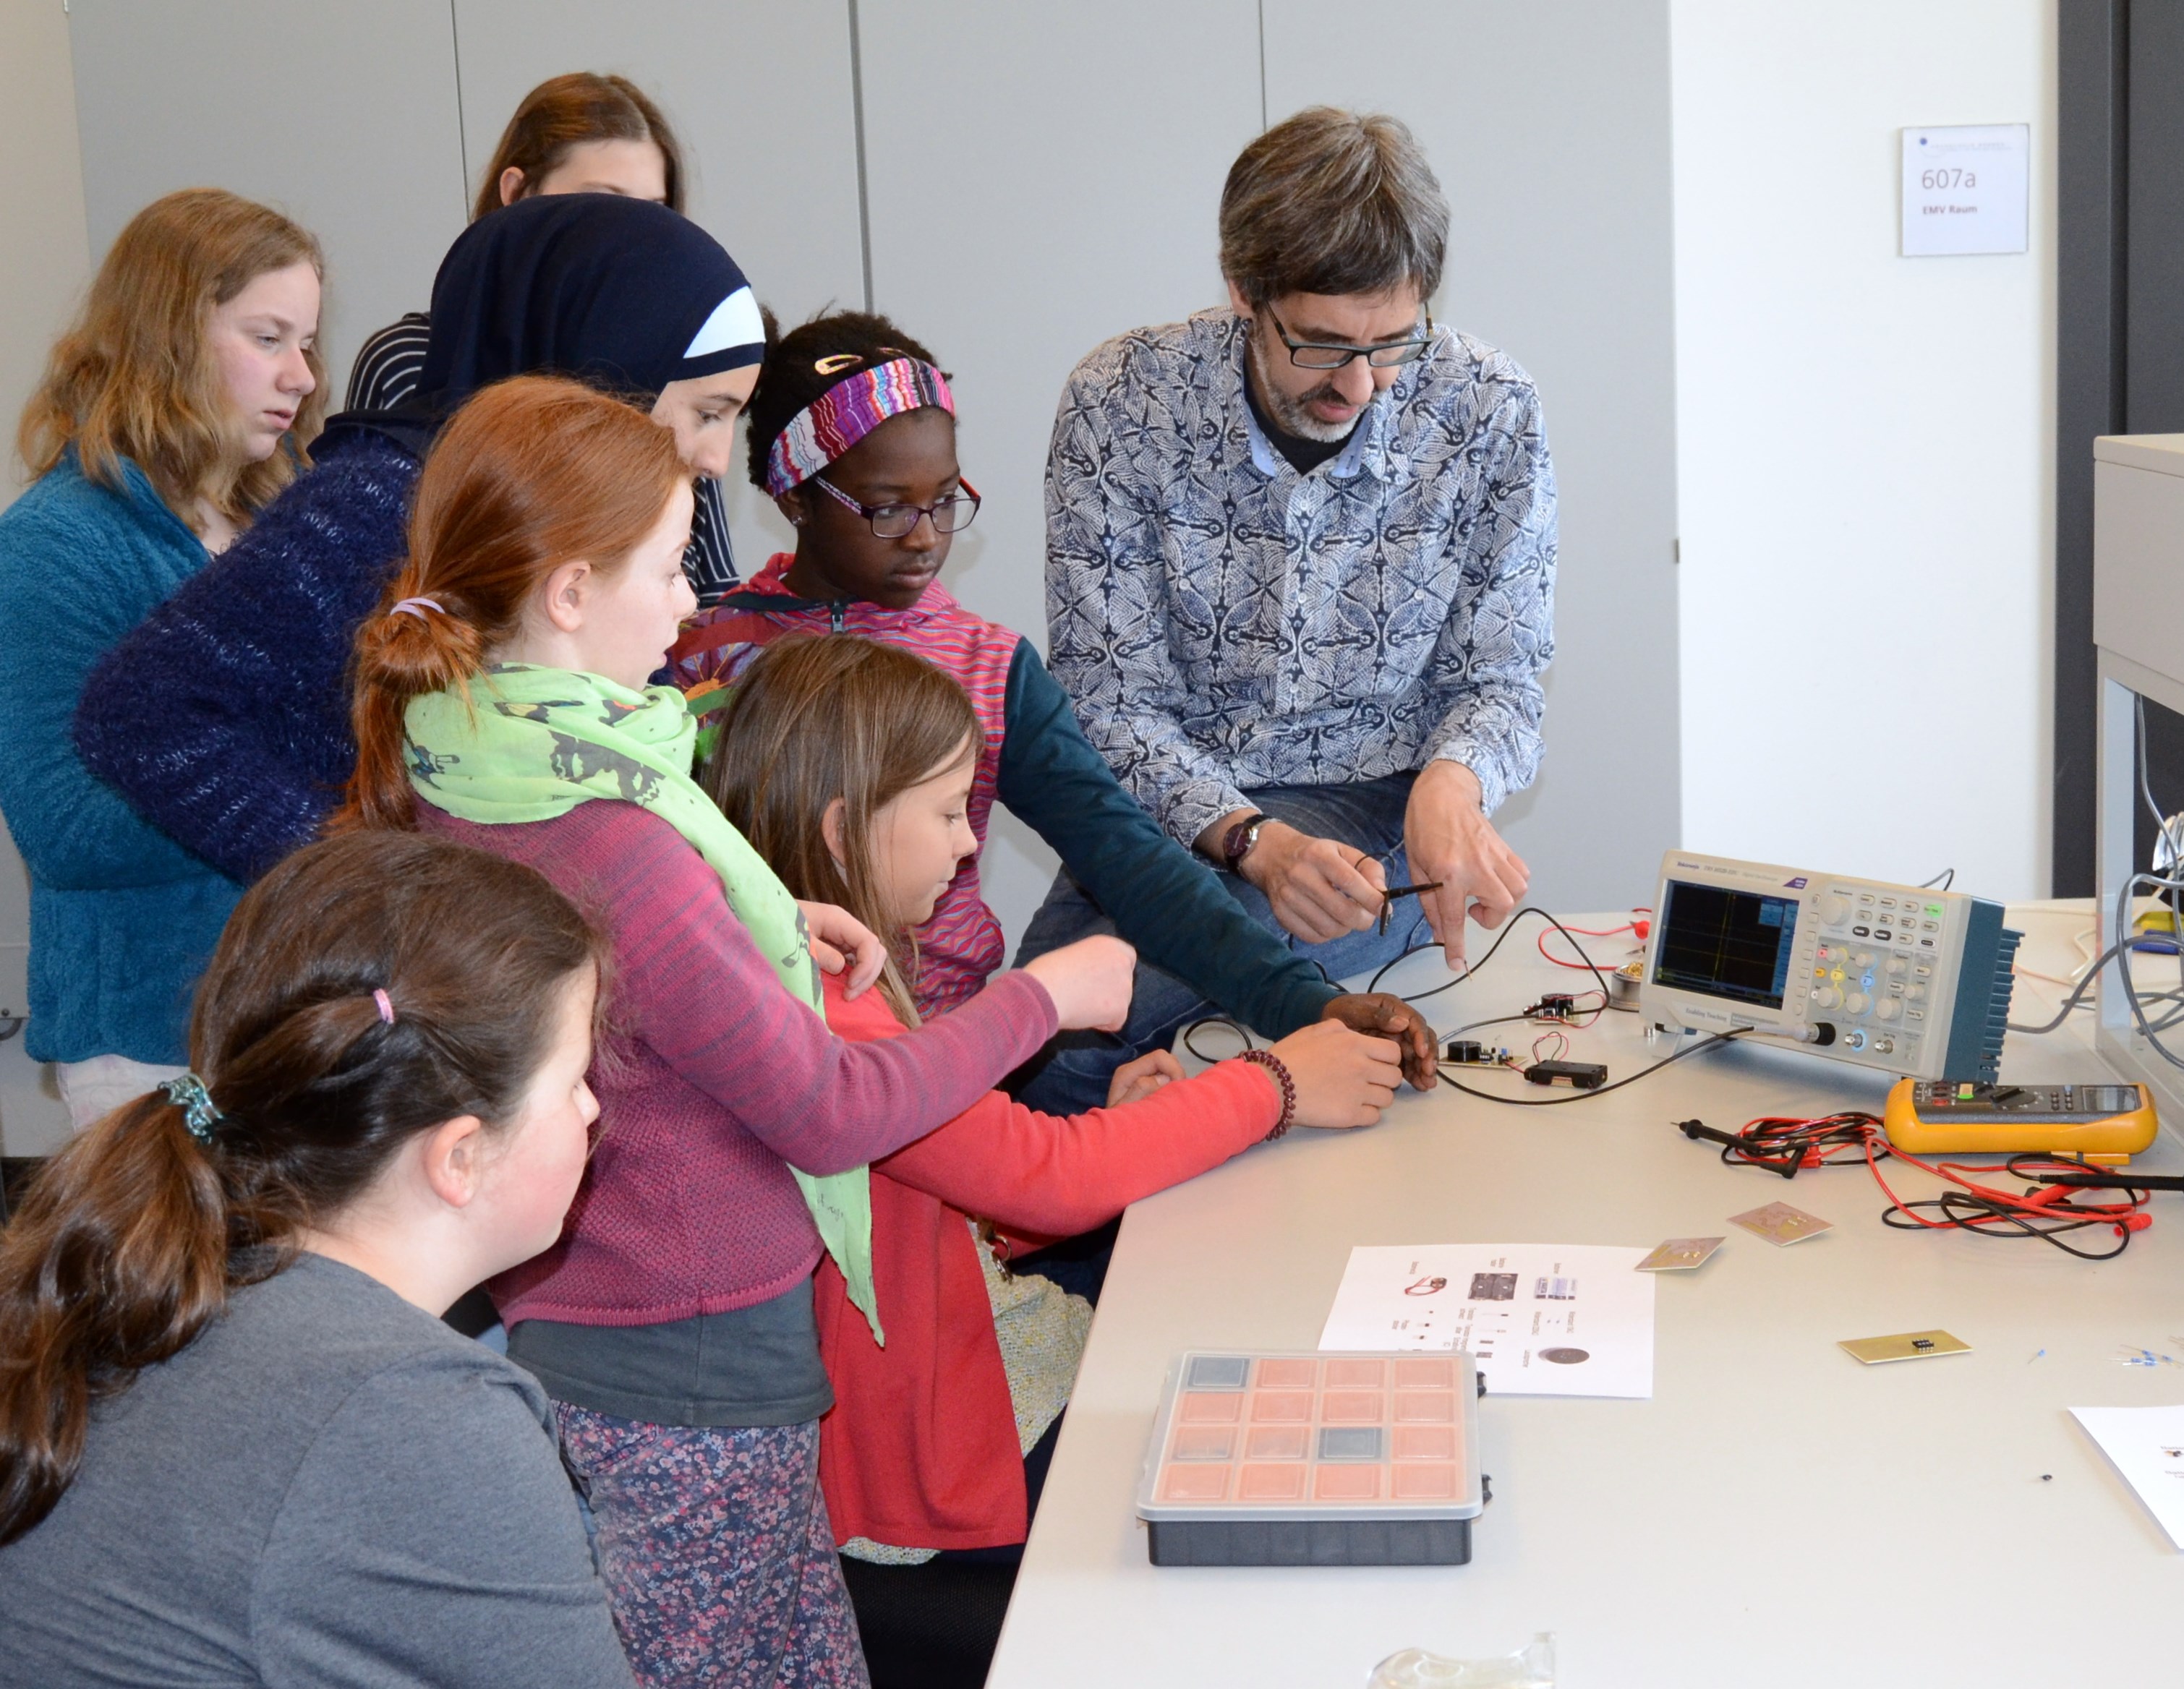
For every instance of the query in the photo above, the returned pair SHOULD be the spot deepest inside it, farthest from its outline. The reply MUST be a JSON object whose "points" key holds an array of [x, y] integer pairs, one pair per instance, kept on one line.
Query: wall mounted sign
{"points": [[1964, 189]]}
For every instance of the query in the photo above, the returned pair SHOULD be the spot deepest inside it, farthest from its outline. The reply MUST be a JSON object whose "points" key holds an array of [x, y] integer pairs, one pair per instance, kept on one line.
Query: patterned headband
{"points": [[847, 412]]}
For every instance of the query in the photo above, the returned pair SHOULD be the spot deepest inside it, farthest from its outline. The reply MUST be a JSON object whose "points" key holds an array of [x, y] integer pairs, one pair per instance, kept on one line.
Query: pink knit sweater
{"points": [[714, 1080]]}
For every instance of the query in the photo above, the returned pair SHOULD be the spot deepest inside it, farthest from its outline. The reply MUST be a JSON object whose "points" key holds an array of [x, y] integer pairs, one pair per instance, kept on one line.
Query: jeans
{"points": [[1367, 816]]}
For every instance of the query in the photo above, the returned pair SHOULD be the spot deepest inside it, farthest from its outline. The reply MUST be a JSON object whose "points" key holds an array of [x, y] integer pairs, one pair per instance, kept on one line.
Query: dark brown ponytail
{"points": [[531, 474], [130, 1239]]}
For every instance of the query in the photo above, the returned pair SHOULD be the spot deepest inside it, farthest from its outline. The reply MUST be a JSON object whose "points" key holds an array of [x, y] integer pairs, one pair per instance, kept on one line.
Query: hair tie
{"points": [[847, 412], [385, 1005], [416, 606], [188, 1093]]}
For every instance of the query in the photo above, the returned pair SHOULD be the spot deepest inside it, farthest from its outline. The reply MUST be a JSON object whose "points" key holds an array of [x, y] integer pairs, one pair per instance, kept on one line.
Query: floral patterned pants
{"points": [[717, 1551]]}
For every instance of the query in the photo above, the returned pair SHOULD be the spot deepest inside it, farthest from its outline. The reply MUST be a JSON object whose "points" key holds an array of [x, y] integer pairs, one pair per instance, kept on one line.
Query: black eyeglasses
{"points": [[1310, 354], [950, 516]]}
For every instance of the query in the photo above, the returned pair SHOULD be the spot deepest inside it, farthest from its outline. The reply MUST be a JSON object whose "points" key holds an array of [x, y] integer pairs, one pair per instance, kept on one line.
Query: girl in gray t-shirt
{"points": [[237, 1444]]}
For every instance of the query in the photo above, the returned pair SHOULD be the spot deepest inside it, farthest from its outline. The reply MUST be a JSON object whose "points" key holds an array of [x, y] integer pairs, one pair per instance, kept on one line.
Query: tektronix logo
{"points": [[1796, 885]]}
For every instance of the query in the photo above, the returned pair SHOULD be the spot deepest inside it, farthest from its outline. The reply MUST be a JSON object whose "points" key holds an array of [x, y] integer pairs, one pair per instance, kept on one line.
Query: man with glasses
{"points": [[1299, 577]]}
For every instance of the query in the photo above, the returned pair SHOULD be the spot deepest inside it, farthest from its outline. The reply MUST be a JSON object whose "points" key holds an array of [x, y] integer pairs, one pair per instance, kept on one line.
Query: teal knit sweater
{"points": [[122, 919]]}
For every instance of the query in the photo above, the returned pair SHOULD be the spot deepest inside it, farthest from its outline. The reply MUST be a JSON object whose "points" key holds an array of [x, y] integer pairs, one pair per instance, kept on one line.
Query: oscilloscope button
{"points": [[1883, 934], [1861, 932]]}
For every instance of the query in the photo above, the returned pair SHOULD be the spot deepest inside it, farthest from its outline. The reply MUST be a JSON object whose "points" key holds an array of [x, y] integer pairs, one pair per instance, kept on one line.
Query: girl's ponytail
{"points": [[117, 1260], [531, 474], [367, 989], [413, 645]]}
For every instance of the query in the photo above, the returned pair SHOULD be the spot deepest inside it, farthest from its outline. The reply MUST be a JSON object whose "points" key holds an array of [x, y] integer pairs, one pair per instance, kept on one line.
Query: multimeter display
{"points": [[1726, 943]]}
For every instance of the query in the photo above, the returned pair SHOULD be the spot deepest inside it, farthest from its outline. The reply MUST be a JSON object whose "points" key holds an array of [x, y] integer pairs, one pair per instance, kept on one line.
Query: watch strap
{"points": [[1236, 843]]}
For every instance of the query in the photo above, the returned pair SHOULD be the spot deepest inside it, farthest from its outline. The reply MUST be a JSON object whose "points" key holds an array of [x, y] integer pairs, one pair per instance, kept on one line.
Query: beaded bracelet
{"points": [[1272, 1064]]}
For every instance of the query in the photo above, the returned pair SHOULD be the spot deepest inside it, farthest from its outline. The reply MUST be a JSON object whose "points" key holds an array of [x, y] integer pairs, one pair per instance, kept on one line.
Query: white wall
{"points": [[1865, 446], [1011, 261], [44, 260], [714, 68], [343, 115], [1552, 142]]}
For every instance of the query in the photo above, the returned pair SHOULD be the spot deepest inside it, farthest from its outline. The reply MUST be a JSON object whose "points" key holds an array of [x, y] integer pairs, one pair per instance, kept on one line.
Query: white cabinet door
{"points": [[759, 92], [341, 113], [1042, 177], [1548, 126]]}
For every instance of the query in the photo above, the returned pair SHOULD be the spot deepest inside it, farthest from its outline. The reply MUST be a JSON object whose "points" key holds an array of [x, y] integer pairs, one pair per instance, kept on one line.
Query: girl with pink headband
{"points": [[852, 430]]}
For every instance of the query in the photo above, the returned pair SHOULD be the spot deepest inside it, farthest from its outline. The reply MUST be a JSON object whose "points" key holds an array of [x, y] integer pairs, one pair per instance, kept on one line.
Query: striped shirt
{"points": [[386, 374], [962, 943]]}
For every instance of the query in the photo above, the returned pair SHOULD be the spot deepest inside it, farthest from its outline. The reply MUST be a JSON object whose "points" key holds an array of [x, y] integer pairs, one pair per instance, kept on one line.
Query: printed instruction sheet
{"points": [[2145, 1445], [1539, 1319]]}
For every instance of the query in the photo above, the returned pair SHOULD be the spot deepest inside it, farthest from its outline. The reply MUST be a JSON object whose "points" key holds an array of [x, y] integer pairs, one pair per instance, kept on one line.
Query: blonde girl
{"points": [[172, 411]]}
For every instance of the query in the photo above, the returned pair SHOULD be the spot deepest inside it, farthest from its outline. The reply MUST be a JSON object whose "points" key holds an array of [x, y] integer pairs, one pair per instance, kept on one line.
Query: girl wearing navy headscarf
{"points": [[224, 717]]}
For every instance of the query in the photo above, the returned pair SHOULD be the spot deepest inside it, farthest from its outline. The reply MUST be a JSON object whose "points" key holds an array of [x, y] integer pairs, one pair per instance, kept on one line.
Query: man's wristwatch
{"points": [[1236, 843]]}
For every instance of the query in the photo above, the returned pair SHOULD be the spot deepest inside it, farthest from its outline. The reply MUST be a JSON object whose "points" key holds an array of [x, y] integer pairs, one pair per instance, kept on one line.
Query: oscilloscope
{"points": [[1897, 978]]}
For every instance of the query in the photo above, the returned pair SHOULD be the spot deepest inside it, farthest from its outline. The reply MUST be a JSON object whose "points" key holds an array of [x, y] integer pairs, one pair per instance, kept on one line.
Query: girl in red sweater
{"points": [[848, 763]]}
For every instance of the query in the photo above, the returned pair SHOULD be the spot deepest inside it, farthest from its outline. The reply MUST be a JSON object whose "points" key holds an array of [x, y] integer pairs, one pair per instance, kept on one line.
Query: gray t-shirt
{"points": [[327, 1487]]}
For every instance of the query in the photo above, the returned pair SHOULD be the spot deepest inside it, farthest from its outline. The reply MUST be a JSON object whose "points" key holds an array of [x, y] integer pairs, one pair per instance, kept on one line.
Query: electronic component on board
{"points": [[1584, 1076], [1898, 978]]}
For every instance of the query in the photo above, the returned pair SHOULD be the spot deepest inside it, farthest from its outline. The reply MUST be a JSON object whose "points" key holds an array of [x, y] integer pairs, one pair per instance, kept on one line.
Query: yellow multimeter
{"points": [[2105, 1122]]}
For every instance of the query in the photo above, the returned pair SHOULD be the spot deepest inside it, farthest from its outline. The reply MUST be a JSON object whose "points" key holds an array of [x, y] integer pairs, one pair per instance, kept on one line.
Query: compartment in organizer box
{"points": [[1310, 1459]]}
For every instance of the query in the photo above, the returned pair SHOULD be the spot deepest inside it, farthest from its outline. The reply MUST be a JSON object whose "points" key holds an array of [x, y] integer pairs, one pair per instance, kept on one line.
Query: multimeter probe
{"points": [[2055, 1202]]}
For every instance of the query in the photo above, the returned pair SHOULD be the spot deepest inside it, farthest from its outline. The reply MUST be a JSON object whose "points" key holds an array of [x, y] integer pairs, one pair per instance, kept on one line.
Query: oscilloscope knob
{"points": [[1834, 910], [1888, 1009], [1857, 1003], [1827, 997]]}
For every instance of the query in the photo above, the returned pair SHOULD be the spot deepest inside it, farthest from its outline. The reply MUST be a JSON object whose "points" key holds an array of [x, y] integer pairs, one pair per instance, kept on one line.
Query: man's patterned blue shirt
{"points": [[1222, 622]]}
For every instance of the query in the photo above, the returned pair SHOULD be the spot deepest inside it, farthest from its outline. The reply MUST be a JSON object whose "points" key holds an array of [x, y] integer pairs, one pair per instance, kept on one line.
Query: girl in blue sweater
{"points": [[177, 407]]}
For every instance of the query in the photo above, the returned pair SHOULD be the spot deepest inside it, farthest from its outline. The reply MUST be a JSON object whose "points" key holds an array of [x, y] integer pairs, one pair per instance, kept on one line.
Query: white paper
{"points": [[1964, 189], [1539, 1319], [2145, 1445]]}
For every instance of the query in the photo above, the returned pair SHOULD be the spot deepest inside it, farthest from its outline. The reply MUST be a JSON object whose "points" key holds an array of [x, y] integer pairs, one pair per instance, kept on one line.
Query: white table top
{"points": [[1776, 1513]]}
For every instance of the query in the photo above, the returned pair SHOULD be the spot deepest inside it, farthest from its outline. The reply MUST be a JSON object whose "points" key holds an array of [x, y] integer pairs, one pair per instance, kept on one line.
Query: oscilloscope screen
{"points": [[1724, 943]]}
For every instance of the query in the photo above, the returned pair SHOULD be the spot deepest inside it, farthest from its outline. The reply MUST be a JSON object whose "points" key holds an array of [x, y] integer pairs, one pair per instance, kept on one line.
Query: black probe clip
{"points": [[1786, 1164], [2118, 1180]]}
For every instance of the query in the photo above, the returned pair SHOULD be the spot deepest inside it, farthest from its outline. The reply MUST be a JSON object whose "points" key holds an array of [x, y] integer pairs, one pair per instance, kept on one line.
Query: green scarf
{"points": [[533, 743]]}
